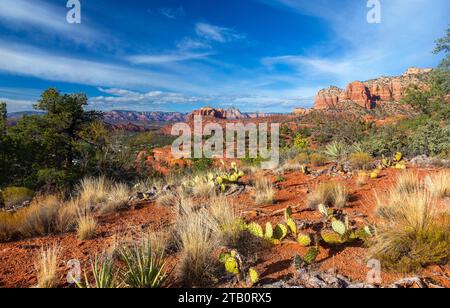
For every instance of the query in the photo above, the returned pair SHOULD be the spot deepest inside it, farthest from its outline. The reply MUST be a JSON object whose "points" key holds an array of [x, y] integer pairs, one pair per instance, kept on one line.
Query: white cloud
{"points": [[191, 44], [29, 61], [218, 34], [39, 16], [17, 105], [167, 57]]}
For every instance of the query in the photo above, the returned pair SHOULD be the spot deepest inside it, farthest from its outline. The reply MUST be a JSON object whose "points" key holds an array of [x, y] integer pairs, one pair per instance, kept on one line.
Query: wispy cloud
{"points": [[192, 44], [29, 61], [172, 13], [168, 57], [216, 33], [39, 16]]}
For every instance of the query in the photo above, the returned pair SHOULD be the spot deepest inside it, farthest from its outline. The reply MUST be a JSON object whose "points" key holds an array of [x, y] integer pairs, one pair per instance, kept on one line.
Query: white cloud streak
{"points": [[216, 33]]}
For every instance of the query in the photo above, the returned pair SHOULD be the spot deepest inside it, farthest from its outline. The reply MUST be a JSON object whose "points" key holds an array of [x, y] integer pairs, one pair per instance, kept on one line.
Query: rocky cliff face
{"points": [[371, 93]]}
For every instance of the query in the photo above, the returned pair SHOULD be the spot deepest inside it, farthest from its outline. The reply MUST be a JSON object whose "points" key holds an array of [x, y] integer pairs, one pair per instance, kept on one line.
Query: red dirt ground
{"points": [[274, 263]]}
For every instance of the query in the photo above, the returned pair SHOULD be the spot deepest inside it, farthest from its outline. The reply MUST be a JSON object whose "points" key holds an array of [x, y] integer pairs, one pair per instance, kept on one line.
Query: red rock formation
{"points": [[374, 92], [328, 98], [208, 112], [359, 93]]}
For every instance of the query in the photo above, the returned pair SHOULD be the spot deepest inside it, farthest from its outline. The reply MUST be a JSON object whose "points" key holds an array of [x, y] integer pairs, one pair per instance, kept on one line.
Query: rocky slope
{"points": [[372, 93]]}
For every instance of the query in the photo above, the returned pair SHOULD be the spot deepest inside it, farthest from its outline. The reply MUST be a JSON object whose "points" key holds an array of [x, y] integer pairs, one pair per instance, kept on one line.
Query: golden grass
{"points": [[158, 241], [407, 183], [99, 194], [40, 217], [318, 160], [331, 194], [413, 231], [360, 160], [361, 180], [86, 227], [167, 199], [14, 196], [196, 242], [265, 193], [439, 184], [226, 221], [46, 267]]}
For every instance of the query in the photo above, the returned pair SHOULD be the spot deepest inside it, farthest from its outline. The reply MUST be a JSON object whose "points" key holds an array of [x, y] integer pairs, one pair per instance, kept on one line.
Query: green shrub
{"points": [[14, 196], [360, 160], [300, 142]]}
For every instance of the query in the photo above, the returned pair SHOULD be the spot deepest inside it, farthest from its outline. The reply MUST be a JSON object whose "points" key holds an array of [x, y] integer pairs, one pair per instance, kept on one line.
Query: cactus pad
{"points": [[304, 240], [255, 229], [280, 232]]}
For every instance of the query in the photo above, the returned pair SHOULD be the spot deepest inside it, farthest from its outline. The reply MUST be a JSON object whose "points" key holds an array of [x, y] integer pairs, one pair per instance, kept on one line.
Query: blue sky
{"points": [[178, 55]]}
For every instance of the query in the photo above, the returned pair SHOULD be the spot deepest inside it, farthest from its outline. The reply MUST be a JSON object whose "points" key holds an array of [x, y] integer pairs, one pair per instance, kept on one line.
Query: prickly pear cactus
{"points": [[224, 257], [280, 232], [292, 227], [232, 266], [398, 157], [311, 256], [288, 213], [297, 262], [331, 237], [339, 227], [255, 229], [269, 231], [253, 276], [304, 240]]}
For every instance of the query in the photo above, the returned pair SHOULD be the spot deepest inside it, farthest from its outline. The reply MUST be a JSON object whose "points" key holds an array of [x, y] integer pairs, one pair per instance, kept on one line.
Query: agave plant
{"points": [[105, 277], [336, 150], [143, 267]]}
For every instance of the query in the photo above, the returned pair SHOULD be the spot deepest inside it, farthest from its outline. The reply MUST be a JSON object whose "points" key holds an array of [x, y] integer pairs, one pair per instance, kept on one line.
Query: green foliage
{"points": [[103, 272], [201, 165], [143, 267], [336, 150], [300, 143]]}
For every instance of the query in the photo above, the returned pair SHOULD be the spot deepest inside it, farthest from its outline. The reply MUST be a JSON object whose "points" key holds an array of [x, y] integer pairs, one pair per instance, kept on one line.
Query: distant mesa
{"points": [[225, 114], [372, 93]]}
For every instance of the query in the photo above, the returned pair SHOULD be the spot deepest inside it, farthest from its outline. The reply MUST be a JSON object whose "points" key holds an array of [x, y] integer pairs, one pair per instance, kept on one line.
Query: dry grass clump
{"points": [[86, 226], [332, 194], [101, 195], [264, 191], [168, 199], [46, 266], [361, 180], [14, 196], [302, 158], [318, 160], [227, 222], [360, 160], [413, 232], [196, 242], [439, 185], [40, 217], [407, 183]]}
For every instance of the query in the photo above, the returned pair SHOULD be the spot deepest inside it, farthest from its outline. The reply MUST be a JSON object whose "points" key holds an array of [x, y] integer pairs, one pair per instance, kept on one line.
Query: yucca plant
{"points": [[104, 274], [143, 267], [336, 150]]}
